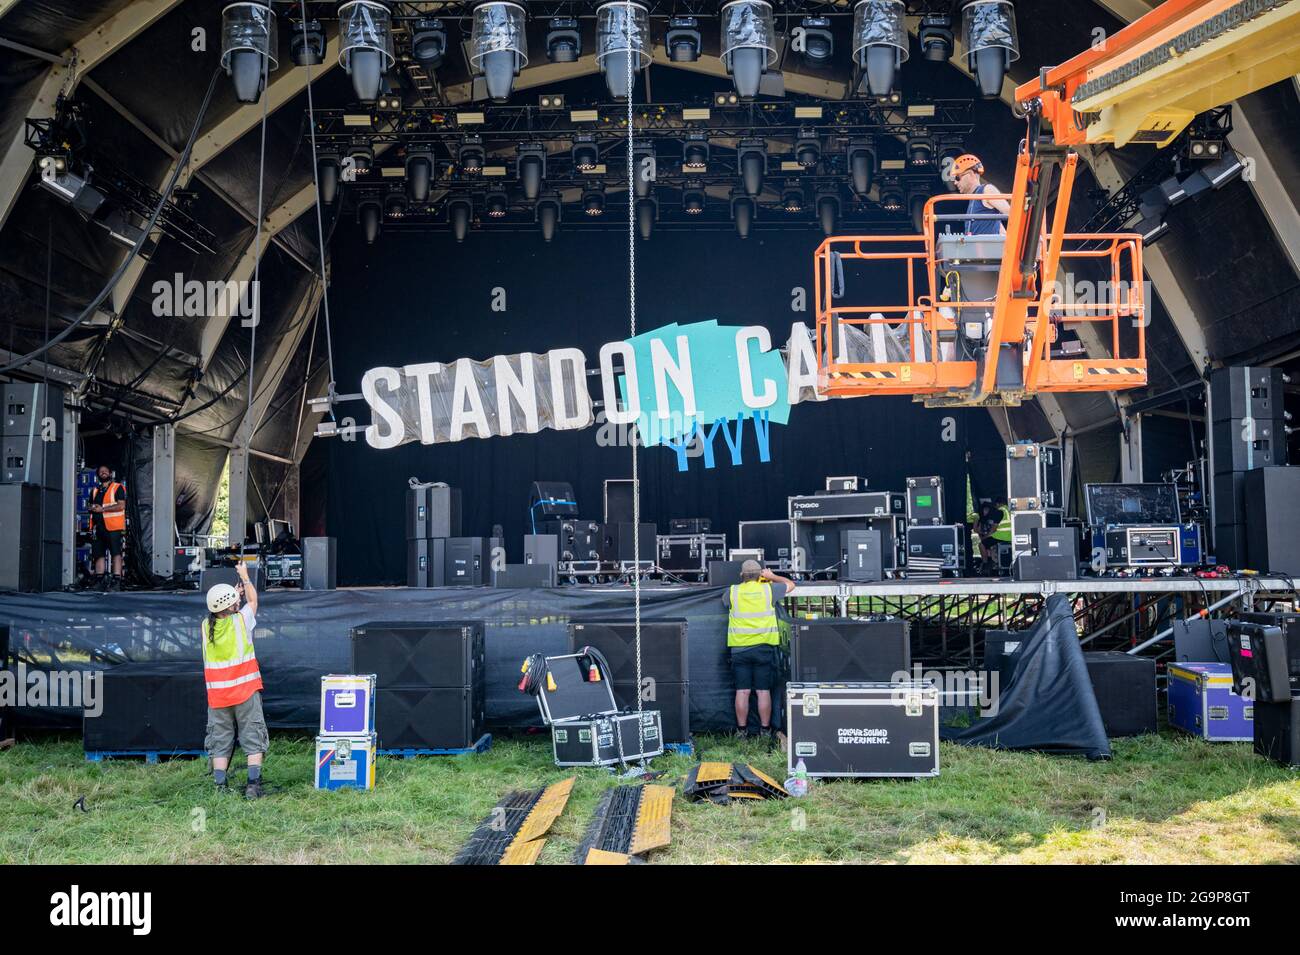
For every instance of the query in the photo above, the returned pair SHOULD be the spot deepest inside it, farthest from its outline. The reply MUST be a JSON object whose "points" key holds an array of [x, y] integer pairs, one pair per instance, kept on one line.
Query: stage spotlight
{"points": [[586, 154], [748, 43], [988, 33], [362, 156], [593, 201], [808, 150], [496, 205], [248, 47], [563, 41], [307, 43], [891, 198], [683, 39], [726, 98], [828, 210], [742, 213], [327, 173], [419, 174], [818, 44], [395, 204], [366, 45], [498, 47], [1204, 148], [880, 42], [459, 213], [792, 199], [547, 212], [622, 43], [532, 169], [920, 150], [936, 37], [471, 156], [693, 197], [643, 168], [695, 153], [751, 158], [368, 215], [862, 165], [647, 212], [428, 43]]}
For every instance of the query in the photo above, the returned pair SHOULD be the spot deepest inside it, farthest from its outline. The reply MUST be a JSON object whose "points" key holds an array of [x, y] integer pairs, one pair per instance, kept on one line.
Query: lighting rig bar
{"points": [[326, 10]]}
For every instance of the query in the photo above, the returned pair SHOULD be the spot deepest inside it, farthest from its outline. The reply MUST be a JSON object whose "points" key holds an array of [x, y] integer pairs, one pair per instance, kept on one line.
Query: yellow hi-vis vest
{"points": [[229, 663], [752, 621]]}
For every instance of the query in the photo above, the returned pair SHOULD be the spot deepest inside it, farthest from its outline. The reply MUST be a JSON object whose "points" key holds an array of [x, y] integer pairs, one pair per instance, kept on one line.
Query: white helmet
{"points": [[222, 597]]}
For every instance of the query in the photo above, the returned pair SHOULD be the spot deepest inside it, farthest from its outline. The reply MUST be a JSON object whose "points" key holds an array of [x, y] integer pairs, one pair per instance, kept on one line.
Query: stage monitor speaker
{"points": [[319, 563], [618, 542], [849, 651], [448, 653], [672, 700], [433, 510], [426, 562], [1201, 640], [552, 499], [1038, 567], [1272, 516], [1245, 444], [31, 409], [863, 556], [1290, 624], [209, 577], [469, 561], [541, 549], [663, 647], [428, 717], [1277, 732], [158, 706], [1125, 687], [724, 573], [1258, 652], [620, 494]]}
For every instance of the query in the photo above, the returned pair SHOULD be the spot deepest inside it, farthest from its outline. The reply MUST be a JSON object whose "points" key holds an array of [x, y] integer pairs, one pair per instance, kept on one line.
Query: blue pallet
{"points": [[149, 755], [685, 749], [483, 744]]}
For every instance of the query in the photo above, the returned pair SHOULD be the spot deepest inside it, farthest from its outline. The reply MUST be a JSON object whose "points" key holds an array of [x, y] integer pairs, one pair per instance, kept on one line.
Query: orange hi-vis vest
{"points": [[115, 521], [229, 663]]}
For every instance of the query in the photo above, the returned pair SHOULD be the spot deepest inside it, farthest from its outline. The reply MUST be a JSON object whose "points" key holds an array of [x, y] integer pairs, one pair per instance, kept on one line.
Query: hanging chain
{"points": [[631, 300]]}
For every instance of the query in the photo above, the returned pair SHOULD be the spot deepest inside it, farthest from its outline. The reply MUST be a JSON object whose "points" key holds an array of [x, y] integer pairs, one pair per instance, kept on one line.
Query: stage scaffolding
{"points": [[949, 617]]}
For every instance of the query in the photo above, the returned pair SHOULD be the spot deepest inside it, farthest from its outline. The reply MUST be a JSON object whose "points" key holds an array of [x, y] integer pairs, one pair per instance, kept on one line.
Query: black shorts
{"points": [[753, 668], [106, 541]]}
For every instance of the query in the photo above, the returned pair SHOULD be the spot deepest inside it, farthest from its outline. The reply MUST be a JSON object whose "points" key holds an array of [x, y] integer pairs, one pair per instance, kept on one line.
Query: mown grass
{"points": [[1161, 799]]}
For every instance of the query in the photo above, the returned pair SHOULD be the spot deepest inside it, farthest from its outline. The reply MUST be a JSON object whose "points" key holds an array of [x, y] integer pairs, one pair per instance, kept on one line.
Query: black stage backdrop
{"points": [[416, 297]]}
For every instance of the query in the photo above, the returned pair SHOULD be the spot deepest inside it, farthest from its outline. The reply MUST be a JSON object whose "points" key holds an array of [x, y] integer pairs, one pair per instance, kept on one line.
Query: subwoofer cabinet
{"points": [[849, 651], [1125, 687], [447, 653], [149, 707]]}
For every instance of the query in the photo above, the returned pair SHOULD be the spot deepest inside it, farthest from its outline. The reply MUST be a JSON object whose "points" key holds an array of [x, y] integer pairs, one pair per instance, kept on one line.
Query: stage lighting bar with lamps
{"points": [[428, 43], [531, 169], [585, 152], [880, 42], [306, 43], [988, 34], [891, 198], [593, 200], [808, 149], [395, 204], [622, 44], [248, 47], [748, 43], [695, 153], [792, 198], [563, 41], [682, 41], [496, 206], [498, 46], [920, 151], [550, 102], [362, 156], [366, 45], [388, 102], [694, 197]]}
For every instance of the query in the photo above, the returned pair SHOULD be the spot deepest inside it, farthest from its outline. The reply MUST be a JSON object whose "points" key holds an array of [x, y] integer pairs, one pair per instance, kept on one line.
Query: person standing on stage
{"points": [[234, 681], [752, 638], [108, 521]]}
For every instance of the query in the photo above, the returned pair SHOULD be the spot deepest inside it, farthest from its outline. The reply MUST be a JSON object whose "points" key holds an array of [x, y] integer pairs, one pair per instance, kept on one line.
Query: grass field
{"points": [[1161, 799]]}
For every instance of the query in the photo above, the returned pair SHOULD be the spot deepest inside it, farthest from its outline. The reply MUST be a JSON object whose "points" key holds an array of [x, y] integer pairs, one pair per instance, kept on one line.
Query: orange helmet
{"points": [[966, 162]]}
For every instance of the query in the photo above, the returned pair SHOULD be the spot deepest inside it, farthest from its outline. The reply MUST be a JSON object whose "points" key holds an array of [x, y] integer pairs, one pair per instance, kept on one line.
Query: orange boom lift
{"points": [[983, 312]]}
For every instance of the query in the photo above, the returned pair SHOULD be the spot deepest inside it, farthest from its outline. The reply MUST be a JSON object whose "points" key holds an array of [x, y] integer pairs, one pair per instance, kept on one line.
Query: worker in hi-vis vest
{"points": [[752, 639], [992, 527], [233, 681]]}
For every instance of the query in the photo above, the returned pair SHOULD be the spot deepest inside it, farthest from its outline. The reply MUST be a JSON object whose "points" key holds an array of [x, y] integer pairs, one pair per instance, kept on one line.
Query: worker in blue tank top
{"points": [[967, 172]]}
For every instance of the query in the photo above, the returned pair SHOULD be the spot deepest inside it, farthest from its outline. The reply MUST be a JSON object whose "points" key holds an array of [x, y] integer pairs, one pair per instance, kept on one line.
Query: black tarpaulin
{"points": [[1049, 704], [301, 637]]}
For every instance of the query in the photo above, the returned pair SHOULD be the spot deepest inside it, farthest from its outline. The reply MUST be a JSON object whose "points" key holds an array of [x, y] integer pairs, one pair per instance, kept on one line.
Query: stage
{"points": [[303, 635]]}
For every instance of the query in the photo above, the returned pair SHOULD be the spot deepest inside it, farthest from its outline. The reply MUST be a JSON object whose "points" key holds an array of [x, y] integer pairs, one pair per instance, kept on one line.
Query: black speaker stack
{"points": [[429, 682], [319, 563], [665, 671], [31, 487], [432, 519], [158, 706], [1248, 432], [835, 650], [1125, 687], [1265, 650]]}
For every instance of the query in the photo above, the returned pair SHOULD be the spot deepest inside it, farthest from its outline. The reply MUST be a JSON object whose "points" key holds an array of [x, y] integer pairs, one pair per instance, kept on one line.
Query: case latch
{"points": [[812, 704]]}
